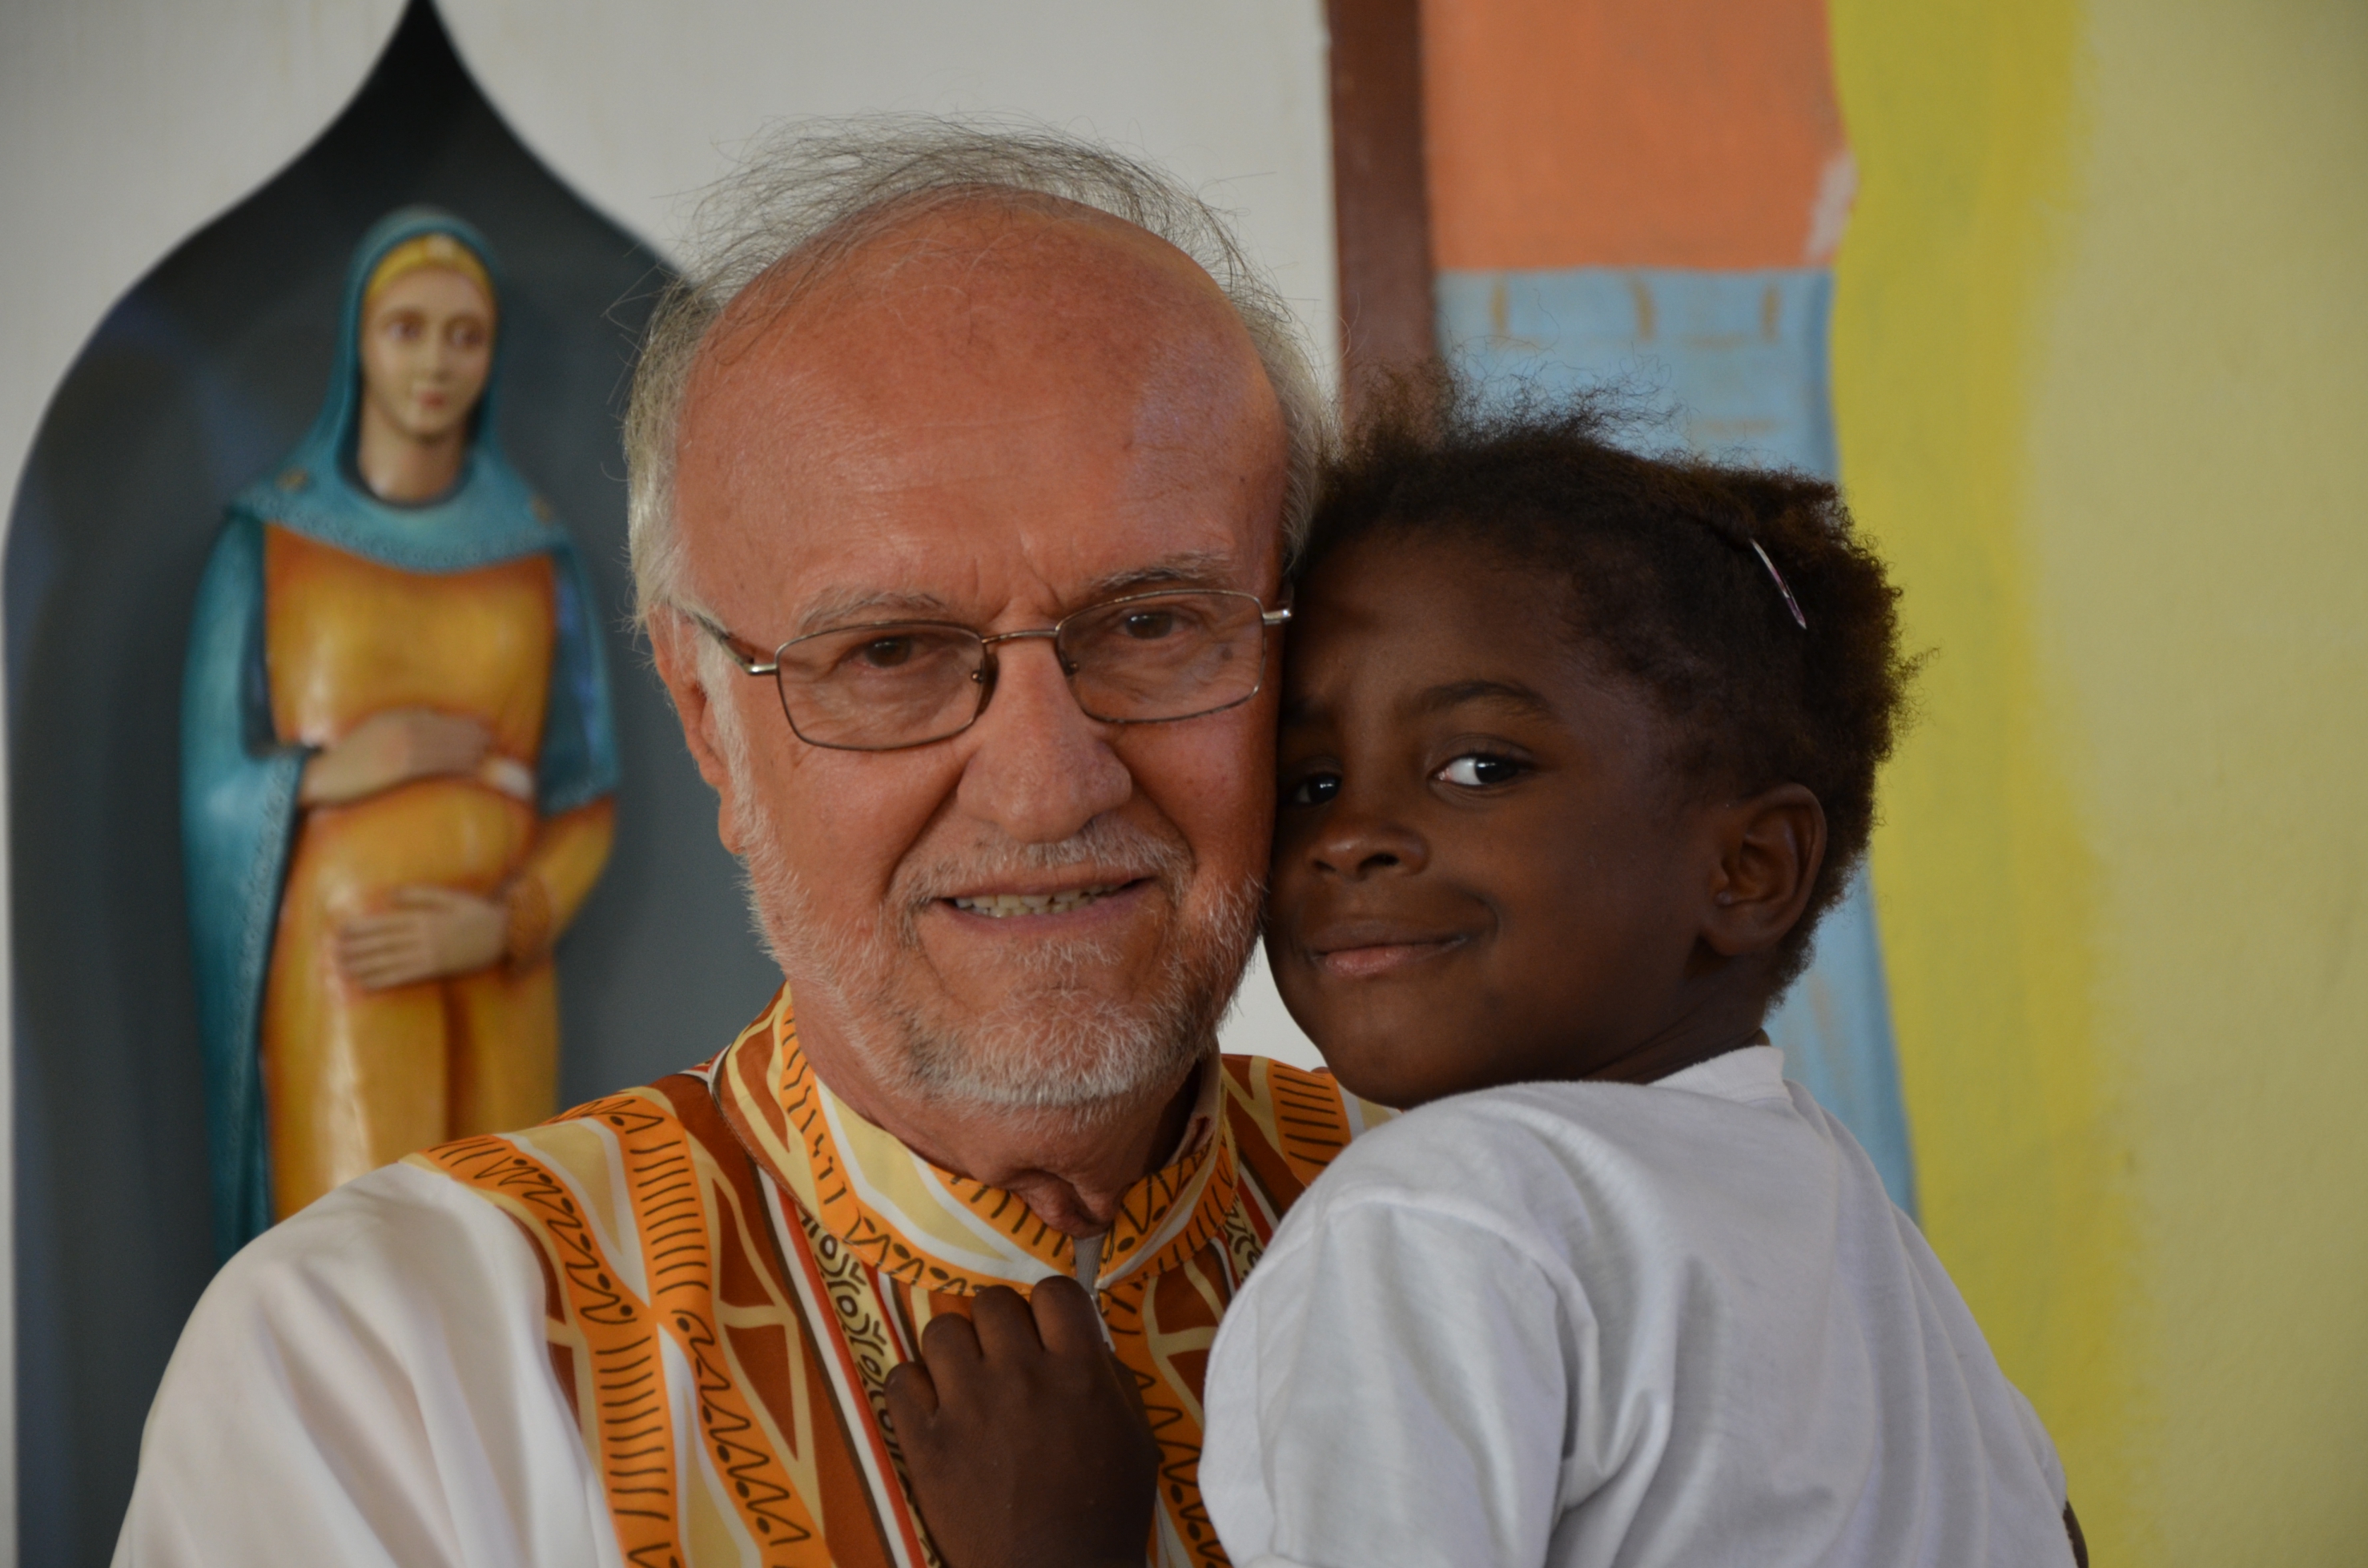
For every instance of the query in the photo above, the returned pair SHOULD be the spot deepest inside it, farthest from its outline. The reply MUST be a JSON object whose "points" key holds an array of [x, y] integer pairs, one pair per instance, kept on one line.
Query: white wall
{"points": [[125, 125]]}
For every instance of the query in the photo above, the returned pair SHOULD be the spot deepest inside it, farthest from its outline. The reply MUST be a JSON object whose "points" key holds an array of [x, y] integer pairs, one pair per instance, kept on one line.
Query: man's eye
{"points": [[1477, 770], [1149, 625], [1313, 790]]}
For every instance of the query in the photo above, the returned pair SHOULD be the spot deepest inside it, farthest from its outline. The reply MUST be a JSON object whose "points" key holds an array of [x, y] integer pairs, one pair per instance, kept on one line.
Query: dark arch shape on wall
{"points": [[199, 380]]}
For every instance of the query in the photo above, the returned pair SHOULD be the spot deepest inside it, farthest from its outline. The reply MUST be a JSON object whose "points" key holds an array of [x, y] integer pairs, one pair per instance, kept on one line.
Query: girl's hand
{"points": [[426, 934], [391, 748], [1023, 1436]]}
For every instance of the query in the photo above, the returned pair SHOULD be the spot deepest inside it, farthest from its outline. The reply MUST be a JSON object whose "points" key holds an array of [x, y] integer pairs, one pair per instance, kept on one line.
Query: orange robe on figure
{"points": [[354, 1078]]}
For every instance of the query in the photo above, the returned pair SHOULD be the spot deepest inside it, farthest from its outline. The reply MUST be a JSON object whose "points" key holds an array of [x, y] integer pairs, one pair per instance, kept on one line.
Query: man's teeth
{"points": [[999, 905]]}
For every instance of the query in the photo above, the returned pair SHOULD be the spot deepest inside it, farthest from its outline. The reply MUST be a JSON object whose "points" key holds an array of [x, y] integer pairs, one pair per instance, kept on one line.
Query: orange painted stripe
{"points": [[1617, 133]]}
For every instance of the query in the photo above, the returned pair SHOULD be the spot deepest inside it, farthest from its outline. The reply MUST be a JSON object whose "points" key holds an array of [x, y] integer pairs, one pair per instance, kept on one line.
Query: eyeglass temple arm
{"points": [[743, 654], [1276, 617]]}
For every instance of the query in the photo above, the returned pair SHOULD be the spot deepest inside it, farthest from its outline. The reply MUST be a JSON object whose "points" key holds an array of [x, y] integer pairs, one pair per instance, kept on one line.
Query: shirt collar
{"points": [[1751, 1072], [929, 1227]]}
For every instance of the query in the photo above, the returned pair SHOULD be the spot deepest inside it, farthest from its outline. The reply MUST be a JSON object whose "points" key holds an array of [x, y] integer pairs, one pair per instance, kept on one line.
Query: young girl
{"points": [[1576, 747]]}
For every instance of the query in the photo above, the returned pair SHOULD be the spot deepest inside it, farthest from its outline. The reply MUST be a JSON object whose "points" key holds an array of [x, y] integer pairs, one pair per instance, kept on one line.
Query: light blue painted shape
{"points": [[1834, 1026], [1736, 361], [1734, 365]]}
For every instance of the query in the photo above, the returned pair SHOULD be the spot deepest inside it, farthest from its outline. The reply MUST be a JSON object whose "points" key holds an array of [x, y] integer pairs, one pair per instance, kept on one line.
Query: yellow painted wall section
{"points": [[2100, 373]]}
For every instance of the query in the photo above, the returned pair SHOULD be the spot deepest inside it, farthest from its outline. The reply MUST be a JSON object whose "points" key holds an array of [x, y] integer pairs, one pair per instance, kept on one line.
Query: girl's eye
{"points": [[1476, 771], [1315, 789]]}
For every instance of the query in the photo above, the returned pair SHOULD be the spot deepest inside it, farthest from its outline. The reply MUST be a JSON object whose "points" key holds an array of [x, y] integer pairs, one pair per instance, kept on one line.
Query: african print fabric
{"points": [[734, 1261]]}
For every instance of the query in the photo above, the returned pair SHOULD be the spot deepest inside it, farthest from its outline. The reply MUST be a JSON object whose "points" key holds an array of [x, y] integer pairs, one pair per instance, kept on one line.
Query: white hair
{"points": [[821, 188]]}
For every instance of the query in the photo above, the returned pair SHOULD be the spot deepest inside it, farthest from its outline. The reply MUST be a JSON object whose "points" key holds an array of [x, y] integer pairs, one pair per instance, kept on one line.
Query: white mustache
{"points": [[1114, 851]]}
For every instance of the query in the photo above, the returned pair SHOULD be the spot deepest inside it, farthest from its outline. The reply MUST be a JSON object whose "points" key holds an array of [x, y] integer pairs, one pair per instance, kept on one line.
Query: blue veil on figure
{"points": [[239, 779]]}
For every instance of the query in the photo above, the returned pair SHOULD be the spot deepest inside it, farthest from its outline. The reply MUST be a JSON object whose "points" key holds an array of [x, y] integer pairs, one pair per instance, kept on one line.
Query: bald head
{"points": [[812, 193], [993, 340]]}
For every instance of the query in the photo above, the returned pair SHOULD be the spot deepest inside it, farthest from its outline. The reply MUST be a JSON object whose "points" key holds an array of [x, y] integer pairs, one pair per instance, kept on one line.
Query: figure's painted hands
{"points": [[426, 934], [391, 748], [1024, 1438]]}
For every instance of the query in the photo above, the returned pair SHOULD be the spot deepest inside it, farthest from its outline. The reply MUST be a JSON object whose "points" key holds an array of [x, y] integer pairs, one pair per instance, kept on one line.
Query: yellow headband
{"points": [[426, 250]]}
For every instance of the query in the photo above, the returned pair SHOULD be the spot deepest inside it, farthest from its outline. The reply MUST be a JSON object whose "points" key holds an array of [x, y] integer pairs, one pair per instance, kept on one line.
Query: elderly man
{"points": [[964, 470]]}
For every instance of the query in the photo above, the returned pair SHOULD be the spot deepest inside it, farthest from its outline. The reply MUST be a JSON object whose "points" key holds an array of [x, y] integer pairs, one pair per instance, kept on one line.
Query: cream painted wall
{"points": [[636, 106], [2102, 357], [125, 125]]}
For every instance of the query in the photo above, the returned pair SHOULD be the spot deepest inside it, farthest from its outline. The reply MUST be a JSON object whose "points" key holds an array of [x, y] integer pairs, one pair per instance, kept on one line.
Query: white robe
{"points": [[376, 1369]]}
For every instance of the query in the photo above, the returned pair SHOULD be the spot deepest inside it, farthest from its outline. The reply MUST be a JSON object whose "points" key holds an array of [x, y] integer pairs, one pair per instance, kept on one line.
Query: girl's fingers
{"points": [[912, 1397], [1064, 1318], [1006, 1326], [950, 1354]]}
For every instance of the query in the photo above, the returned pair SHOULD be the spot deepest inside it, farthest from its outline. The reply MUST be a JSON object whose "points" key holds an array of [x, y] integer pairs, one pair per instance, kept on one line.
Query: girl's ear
{"points": [[1769, 847]]}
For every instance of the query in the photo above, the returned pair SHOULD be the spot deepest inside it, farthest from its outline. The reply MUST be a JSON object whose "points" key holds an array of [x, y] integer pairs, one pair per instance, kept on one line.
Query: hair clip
{"points": [[1789, 602]]}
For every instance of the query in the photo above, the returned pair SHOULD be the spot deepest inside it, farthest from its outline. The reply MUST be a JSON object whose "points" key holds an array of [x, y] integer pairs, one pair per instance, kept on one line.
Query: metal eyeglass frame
{"points": [[754, 662]]}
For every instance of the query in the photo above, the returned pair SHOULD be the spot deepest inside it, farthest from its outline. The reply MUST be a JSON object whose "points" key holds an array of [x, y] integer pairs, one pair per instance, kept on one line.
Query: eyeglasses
{"points": [[1143, 659]]}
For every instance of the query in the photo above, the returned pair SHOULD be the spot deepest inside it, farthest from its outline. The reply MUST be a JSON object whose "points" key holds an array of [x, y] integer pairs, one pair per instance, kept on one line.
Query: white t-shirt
{"points": [[1587, 1324]]}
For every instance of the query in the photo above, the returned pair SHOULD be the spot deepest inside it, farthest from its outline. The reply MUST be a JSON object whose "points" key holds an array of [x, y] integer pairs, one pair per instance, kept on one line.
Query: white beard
{"points": [[1052, 1044]]}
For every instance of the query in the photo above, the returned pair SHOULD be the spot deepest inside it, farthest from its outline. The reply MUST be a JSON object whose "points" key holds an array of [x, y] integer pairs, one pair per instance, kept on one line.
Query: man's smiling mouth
{"points": [[1001, 905]]}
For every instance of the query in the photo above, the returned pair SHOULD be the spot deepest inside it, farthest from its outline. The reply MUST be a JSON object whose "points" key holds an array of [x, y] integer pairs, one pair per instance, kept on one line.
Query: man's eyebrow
{"points": [[1189, 569], [855, 607], [1504, 693]]}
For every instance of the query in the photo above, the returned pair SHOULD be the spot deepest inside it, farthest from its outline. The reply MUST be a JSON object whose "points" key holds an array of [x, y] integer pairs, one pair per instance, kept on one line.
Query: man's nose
{"points": [[1361, 838], [1038, 768]]}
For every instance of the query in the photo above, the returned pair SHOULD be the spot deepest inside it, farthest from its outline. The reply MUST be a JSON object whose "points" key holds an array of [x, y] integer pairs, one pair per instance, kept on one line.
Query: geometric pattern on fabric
{"points": [[734, 1262]]}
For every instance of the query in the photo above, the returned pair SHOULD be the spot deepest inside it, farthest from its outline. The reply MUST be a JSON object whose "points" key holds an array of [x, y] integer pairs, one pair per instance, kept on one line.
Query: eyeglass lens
{"points": [[1137, 660]]}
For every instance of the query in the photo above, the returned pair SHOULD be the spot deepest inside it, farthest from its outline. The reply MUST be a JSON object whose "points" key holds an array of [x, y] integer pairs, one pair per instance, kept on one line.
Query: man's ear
{"points": [[1769, 847], [674, 650]]}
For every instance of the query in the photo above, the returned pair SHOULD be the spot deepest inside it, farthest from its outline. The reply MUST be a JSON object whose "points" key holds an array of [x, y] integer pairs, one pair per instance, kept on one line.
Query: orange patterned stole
{"points": [[734, 1261]]}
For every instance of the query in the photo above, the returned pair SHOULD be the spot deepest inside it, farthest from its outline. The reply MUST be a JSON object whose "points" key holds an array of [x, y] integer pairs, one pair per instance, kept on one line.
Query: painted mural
{"points": [[1647, 199], [2076, 304]]}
